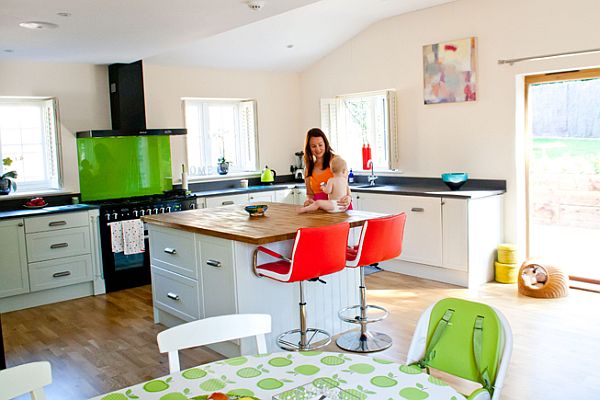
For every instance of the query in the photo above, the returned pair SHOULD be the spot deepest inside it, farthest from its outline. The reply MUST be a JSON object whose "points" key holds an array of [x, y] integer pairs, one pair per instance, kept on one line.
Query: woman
{"points": [[317, 158]]}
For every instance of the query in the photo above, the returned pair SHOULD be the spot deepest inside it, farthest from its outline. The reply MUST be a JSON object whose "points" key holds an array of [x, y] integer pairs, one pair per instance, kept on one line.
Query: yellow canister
{"points": [[507, 253], [506, 273]]}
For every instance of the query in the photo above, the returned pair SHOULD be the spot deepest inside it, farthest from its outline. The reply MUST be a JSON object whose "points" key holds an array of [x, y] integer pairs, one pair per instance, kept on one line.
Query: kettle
{"points": [[268, 175]]}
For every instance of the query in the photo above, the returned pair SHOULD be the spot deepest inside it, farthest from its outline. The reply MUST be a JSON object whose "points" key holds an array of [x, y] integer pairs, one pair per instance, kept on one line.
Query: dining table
{"points": [[307, 375]]}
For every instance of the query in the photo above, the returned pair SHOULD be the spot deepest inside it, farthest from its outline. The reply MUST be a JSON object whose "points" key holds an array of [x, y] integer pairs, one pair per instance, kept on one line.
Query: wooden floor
{"points": [[98, 344]]}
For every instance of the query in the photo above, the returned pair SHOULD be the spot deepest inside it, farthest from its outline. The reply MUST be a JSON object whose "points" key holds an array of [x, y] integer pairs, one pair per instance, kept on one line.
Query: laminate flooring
{"points": [[102, 343]]}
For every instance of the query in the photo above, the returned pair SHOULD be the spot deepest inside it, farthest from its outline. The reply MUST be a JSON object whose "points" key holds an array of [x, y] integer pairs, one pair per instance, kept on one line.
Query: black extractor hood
{"points": [[127, 108]]}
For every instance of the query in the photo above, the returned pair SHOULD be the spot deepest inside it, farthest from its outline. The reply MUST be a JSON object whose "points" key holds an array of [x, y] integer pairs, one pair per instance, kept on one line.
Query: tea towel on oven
{"points": [[116, 236], [133, 237]]}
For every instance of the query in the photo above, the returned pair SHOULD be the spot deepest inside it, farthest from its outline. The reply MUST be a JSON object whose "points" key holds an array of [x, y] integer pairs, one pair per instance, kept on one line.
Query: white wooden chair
{"points": [[213, 330], [27, 378]]}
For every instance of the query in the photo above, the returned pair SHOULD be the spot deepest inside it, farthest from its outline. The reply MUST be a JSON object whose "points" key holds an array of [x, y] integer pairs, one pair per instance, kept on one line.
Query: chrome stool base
{"points": [[357, 319], [314, 339], [364, 343]]}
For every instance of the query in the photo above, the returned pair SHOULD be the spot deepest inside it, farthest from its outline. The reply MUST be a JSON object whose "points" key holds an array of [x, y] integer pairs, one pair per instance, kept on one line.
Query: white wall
{"points": [[82, 92], [482, 137], [277, 95]]}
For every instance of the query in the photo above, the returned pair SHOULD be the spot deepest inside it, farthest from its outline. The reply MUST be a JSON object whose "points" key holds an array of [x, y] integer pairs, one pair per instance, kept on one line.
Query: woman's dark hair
{"points": [[308, 157]]}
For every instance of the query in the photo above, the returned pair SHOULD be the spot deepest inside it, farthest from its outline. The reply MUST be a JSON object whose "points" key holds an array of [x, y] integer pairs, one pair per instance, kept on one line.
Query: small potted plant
{"points": [[222, 166], [6, 179]]}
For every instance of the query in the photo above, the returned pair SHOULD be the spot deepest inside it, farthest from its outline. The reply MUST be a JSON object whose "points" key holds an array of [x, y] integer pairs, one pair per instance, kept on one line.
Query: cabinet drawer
{"points": [[175, 294], [218, 201], [60, 272], [173, 250], [51, 245], [218, 276], [54, 222]]}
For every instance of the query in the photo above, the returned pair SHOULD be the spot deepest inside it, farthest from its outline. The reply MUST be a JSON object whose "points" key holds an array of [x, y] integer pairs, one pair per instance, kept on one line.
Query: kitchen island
{"points": [[201, 263]]}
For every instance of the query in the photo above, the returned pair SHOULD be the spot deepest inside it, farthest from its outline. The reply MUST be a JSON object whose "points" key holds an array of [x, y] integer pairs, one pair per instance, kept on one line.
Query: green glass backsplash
{"points": [[123, 166]]}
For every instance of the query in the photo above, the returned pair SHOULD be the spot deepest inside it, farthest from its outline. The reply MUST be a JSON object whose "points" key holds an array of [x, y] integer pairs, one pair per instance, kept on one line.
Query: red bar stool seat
{"points": [[380, 240], [316, 252]]}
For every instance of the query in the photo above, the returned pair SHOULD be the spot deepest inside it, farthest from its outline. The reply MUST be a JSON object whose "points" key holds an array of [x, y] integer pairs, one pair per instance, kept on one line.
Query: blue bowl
{"points": [[454, 180], [257, 210]]}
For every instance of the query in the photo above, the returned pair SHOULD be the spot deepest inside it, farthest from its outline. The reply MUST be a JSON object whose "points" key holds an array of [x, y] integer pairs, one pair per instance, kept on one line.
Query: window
{"points": [[29, 137], [221, 128], [356, 119]]}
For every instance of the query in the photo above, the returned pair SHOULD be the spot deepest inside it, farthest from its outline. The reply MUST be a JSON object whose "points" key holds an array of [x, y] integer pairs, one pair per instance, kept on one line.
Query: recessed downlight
{"points": [[290, 46], [63, 14], [38, 25], [8, 50]]}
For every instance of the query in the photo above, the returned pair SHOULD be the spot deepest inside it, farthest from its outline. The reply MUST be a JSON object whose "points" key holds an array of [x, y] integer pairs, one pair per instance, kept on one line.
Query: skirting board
{"points": [[34, 299], [439, 274]]}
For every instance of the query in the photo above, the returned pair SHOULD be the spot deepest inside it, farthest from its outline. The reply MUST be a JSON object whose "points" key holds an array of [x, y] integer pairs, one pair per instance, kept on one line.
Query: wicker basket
{"points": [[542, 280]]}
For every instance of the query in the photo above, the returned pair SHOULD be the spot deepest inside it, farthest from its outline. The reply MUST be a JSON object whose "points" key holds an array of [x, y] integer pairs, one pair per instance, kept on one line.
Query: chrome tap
{"points": [[371, 178]]}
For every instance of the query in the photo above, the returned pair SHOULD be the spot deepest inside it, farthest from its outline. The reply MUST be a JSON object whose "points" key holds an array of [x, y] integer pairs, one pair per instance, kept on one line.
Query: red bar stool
{"points": [[316, 252], [380, 240]]}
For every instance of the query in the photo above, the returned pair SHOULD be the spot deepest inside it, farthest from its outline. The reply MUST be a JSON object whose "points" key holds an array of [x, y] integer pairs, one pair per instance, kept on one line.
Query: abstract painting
{"points": [[449, 71]]}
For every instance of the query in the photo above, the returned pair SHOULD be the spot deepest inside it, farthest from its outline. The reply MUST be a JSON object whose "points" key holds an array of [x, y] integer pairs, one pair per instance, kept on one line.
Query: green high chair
{"points": [[466, 339]]}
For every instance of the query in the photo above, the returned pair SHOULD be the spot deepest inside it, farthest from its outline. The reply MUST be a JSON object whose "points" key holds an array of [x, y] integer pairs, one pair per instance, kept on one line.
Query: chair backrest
{"points": [[455, 350], [27, 378], [213, 330], [319, 251], [380, 240]]}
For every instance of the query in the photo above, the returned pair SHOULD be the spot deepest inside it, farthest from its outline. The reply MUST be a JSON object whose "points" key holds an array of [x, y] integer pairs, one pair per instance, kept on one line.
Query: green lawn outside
{"points": [[566, 155]]}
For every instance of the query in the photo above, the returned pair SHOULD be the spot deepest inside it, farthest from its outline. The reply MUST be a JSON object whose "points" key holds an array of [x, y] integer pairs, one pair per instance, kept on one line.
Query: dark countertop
{"points": [[250, 189], [46, 210]]}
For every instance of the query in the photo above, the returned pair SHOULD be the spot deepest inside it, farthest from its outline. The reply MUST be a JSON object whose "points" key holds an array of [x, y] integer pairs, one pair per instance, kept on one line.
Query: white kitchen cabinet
{"points": [[218, 201], [446, 239], [257, 197], [14, 278], [218, 275], [201, 202], [291, 196]]}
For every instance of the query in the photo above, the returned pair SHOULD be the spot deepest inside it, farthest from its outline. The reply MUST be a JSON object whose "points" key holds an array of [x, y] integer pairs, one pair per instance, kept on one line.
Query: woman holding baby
{"points": [[318, 156]]}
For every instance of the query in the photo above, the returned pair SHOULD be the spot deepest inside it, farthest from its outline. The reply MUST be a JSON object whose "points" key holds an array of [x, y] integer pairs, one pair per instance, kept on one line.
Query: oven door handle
{"points": [[170, 250]]}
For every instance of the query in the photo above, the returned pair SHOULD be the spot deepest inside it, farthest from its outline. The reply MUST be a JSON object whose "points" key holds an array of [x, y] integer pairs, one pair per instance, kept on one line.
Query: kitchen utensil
{"points": [[256, 210], [268, 175], [454, 180]]}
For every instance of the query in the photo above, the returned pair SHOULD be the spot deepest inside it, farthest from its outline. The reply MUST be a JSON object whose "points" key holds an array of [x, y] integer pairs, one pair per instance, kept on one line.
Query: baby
{"points": [[336, 188]]}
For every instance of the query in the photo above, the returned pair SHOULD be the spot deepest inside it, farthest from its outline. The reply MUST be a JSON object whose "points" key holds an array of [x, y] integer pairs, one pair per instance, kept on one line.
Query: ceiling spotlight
{"points": [[256, 4], [289, 46], [38, 25], [64, 14], [9, 51]]}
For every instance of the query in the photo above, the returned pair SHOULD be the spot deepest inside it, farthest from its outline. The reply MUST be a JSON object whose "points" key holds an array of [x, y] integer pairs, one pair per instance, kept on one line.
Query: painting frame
{"points": [[450, 71]]}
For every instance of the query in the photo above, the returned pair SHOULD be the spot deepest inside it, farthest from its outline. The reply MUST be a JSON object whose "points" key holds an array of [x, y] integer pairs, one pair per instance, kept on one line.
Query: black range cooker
{"points": [[126, 271]]}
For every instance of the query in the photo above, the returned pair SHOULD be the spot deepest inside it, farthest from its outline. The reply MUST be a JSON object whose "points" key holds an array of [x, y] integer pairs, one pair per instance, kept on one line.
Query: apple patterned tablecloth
{"points": [[267, 375]]}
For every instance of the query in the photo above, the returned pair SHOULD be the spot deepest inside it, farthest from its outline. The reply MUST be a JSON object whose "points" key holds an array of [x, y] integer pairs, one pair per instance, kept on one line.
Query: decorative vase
{"points": [[223, 168], [5, 186]]}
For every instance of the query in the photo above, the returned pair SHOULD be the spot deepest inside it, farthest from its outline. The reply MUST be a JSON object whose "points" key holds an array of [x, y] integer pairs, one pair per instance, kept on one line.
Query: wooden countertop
{"points": [[280, 222]]}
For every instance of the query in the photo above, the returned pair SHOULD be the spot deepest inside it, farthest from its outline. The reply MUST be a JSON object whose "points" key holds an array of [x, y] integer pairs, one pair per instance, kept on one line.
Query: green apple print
{"points": [[306, 369], [326, 383], [240, 392], [251, 372], [334, 360], [414, 393], [354, 394], [281, 361], [269, 384], [174, 396], [436, 381], [157, 385], [311, 353], [193, 373], [118, 396], [236, 361], [382, 361], [214, 384], [384, 381], [410, 369], [360, 368]]}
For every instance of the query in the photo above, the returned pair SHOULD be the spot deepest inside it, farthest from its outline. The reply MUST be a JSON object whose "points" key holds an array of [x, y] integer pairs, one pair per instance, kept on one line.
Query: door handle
{"points": [[173, 296], [227, 203], [169, 250], [214, 263], [59, 245], [57, 223], [417, 209], [59, 274]]}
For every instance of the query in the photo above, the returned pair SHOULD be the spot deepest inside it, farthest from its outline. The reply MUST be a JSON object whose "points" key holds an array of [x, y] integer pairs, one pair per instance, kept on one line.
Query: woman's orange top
{"points": [[317, 178]]}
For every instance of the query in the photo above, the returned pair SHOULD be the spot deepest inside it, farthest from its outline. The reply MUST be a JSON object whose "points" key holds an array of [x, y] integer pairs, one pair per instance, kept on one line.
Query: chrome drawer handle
{"points": [[59, 245], [214, 263], [173, 296], [227, 203], [169, 250], [59, 274], [417, 209], [57, 223]]}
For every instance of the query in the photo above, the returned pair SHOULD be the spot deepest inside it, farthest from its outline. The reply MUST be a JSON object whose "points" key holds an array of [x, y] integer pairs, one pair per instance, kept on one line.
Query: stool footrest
{"points": [[357, 318], [315, 339]]}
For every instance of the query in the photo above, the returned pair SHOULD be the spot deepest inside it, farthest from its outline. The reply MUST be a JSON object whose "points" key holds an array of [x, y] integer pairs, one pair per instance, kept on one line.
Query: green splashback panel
{"points": [[123, 166]]}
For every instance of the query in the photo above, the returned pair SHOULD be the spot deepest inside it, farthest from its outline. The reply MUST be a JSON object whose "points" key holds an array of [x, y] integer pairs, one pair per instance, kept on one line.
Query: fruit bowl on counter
{"points": [[256, 210], [454, 180], [36, 202]]}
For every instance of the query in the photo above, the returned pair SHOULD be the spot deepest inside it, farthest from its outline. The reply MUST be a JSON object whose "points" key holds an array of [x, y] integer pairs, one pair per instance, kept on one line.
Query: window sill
{"points": [[229, 177], [37, 193]]}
